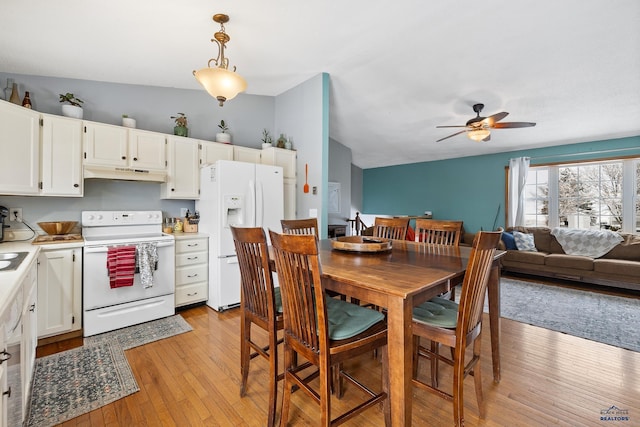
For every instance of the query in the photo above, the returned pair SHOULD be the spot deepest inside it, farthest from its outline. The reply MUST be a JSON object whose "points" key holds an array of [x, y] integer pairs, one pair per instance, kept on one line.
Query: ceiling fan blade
{"points": [[455, 126], [495, 118], [457, 133], [508, 125], [488, 138]]}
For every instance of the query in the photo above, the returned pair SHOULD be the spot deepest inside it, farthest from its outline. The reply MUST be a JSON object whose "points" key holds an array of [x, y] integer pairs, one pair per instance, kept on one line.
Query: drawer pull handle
{"points": [[4, 356], [32, 308], [193, 257], [192, 275], [192, 295], [8, 392], [192, 245]]}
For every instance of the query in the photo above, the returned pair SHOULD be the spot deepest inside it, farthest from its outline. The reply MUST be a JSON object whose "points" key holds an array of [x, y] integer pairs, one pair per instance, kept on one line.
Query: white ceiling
{"points": [[397, 69]]}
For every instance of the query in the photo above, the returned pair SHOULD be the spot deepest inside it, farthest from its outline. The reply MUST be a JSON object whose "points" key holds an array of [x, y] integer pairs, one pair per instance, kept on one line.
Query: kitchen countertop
{"points": [[10, 281]]}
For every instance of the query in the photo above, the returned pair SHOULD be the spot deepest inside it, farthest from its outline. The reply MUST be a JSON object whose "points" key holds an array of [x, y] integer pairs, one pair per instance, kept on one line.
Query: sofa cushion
{"points": [[524, 242], [569, 261], [541, 236], [617, 267], [628, 250], [528, 257], [509, 241]]}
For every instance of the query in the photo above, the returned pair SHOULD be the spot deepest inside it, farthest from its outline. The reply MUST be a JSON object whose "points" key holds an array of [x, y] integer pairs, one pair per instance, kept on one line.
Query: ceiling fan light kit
{"points": [[220, 82], [478, 128]]}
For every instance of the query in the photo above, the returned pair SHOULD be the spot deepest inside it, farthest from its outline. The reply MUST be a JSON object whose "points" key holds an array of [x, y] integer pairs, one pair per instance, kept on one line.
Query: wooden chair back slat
{"points": [[391, 228], [438, 232]]}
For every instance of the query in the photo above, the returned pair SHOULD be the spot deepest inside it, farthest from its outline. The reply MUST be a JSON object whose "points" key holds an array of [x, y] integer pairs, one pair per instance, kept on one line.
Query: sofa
{"points": [[619, 267]]}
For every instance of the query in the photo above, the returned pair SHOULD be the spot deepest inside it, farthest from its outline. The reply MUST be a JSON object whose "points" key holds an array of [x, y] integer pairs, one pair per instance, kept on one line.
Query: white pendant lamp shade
{"points": [[221, 83]]}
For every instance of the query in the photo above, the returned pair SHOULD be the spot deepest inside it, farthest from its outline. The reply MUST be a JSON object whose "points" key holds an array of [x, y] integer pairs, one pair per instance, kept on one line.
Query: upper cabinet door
{"points": [[105, 145], [211, 152], [183, 173], [20, 148], [61, 156], [280, 157], [246, 154], [147, 150]]}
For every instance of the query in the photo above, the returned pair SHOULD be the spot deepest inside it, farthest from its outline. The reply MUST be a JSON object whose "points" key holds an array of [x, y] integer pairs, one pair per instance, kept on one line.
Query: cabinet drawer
{"points": [[191, 258], [191, 274], [191, 245], [190, 294]]}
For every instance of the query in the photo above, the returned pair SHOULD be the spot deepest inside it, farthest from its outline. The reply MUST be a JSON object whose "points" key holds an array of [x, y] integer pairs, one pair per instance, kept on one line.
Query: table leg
{"points": [[494, 319], [400, 336]]}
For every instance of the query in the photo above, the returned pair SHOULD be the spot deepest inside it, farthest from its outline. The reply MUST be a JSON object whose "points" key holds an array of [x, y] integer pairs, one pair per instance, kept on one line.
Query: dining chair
{"points": [[323, 331], [300, 226], [457, 326], [438, 232], [391, 228], [261, 305]]}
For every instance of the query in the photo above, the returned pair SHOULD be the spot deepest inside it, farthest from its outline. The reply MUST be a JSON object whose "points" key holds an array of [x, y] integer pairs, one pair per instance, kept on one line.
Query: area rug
{"points": [[598, 317], [77, 381]]}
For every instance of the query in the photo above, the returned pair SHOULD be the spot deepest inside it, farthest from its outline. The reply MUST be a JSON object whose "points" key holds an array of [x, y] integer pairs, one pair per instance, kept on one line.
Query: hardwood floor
{"points": [[548, 378]]}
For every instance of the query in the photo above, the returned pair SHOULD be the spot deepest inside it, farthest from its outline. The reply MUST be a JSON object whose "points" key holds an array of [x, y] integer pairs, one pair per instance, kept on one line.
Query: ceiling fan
{"points": [[478, 127]]}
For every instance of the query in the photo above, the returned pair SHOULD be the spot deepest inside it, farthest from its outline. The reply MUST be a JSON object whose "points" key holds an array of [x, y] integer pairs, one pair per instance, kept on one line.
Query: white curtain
{"points": [[518, 170]]}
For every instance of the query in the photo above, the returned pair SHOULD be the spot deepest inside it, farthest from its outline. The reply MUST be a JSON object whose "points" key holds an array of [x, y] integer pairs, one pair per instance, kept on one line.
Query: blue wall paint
{"points": [[471, 189]]}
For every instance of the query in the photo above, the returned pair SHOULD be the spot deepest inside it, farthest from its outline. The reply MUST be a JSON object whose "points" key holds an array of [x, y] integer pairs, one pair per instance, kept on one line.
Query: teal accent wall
{"points": [[471, 189]]}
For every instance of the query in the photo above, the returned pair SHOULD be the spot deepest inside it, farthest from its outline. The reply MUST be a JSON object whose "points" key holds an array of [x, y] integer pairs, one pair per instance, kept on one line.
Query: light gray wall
{"points": [[300, 115], [152, 107], [340, 171]]}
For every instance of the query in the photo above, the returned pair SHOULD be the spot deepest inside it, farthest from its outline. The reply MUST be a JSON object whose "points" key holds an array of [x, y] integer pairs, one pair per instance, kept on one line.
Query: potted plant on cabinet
{"points": [[223, 136], [180, 128], [266, 139], [73, 106]]}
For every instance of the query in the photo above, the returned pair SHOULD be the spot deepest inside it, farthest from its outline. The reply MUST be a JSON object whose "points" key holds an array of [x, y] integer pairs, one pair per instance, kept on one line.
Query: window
{"points": [[588, 195]]}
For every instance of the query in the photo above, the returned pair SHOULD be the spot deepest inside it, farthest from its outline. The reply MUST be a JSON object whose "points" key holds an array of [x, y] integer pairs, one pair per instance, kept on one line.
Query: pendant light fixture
{"points": [[219, 81]]}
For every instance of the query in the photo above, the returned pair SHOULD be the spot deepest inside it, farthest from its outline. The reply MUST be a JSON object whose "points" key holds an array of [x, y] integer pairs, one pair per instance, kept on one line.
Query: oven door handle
{"points": [[105, 248]]}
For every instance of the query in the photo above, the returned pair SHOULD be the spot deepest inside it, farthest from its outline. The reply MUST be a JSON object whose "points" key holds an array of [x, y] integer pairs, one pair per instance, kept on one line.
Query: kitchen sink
{"points": [[11, 260]]}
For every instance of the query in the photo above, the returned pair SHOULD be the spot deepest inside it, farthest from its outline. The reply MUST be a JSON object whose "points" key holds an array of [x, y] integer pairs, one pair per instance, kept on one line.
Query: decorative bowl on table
{"points": [[57, 227], [361, 244]]}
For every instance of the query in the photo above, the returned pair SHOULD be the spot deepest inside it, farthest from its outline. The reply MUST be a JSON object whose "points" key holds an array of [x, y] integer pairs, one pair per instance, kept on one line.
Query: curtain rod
{"points": [[616, 150]]}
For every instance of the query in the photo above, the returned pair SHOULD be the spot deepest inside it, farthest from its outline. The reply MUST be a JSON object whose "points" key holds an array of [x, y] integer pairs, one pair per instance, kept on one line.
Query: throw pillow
{"points": [[509, 241], [524, 242]]}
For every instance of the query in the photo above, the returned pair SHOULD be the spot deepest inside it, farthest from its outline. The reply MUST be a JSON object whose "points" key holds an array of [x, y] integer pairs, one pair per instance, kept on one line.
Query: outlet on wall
{"points": [[15, 214]]}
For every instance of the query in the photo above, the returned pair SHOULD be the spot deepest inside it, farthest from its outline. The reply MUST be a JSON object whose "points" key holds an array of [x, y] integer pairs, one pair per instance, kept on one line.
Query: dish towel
{"points": [[146, 259], [121, 265]]}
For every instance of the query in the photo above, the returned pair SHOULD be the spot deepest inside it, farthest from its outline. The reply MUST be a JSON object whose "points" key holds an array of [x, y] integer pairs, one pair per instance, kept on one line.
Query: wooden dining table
{"points": [[399, 279]]}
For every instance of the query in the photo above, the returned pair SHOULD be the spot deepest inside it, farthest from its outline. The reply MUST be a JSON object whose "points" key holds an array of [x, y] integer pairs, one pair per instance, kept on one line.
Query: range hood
{"points": [[125, 174]]}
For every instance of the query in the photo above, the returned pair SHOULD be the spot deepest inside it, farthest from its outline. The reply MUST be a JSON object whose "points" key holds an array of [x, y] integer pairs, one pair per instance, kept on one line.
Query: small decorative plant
{"points": [[223, 135], [181, 120], [71, 99], [181, 125], [266, 137]]}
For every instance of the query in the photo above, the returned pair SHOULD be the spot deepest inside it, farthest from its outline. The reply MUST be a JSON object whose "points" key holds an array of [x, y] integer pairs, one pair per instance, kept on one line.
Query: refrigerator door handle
{"points": [[252, 208]]}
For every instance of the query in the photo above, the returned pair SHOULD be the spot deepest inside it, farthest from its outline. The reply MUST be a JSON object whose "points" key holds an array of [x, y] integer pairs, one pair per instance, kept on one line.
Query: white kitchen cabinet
{"points": [[287, 159], [20, 148], [280, 157], [183, 172], [246, 154], [192, 269], [210, 152], [109, 145], [61, 156], [59, 290]]}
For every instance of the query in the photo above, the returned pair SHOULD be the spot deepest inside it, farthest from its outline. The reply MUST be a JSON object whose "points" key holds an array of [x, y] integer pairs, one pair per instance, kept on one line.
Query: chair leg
{"points": [[477, 378], [273, 377], [289, 362], [325, 393], [386, 405], [458, 388], [416, 357], [435, 349], [245, 353]]}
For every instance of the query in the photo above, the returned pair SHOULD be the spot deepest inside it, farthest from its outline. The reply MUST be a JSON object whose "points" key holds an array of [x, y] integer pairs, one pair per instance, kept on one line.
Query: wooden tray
{"points": [[361, 244]]}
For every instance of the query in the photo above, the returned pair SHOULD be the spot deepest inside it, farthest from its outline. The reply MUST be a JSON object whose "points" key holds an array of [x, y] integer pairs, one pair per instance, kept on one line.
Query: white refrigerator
{"points": [[240, 194]]}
